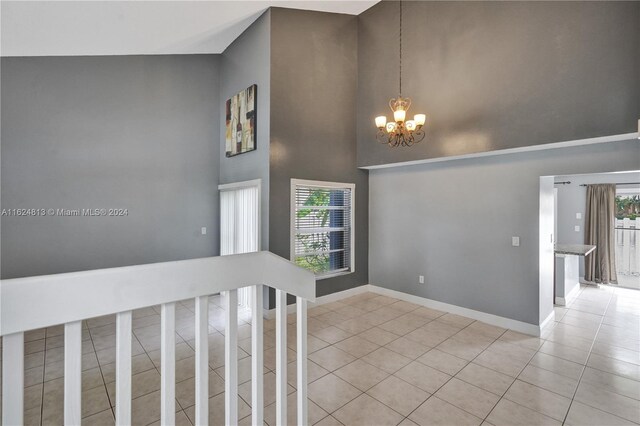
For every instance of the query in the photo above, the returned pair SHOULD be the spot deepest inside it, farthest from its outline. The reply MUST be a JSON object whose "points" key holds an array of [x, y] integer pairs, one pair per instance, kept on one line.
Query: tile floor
{"points": [[374, 360]]}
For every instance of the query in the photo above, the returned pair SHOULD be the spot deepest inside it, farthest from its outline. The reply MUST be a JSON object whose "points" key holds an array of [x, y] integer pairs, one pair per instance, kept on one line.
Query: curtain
{"points": [[600, 265]]}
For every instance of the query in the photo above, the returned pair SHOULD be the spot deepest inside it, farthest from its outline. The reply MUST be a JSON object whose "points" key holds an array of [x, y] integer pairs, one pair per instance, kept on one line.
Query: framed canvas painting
{"points": [[241, 122]]}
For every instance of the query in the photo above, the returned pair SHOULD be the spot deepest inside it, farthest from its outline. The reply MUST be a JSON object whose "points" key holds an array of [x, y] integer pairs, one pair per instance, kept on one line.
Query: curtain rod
{"points": [[616, 183]]}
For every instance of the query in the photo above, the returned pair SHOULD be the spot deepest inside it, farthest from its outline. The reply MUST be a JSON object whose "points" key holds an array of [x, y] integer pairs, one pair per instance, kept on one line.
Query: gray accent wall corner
{"points": [[313, 117]]}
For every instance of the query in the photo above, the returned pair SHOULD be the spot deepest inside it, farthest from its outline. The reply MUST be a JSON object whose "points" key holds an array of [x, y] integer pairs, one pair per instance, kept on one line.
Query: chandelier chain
{"points": [[400, 91]]}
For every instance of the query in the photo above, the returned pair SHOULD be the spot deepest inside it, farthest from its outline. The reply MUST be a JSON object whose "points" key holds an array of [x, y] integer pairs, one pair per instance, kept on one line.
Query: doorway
{"points": [[240, 223]]}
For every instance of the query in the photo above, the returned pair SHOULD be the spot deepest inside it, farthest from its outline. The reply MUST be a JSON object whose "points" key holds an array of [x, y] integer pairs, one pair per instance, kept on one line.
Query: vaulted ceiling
{"points": [[56, 28]]}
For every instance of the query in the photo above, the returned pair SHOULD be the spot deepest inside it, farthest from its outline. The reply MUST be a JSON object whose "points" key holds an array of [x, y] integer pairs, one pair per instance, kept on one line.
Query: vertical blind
{"points": [[239, 226], [323, 227]]}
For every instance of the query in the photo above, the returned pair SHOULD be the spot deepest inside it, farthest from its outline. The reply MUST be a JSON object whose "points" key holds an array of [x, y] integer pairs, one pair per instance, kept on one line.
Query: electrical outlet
{"points": [[421, 279], [576, 228], [515, 241], [578, 215], [203, 230]]}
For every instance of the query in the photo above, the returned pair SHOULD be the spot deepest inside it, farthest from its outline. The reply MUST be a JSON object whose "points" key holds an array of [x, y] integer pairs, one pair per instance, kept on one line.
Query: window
{"points": [[322, 226]]}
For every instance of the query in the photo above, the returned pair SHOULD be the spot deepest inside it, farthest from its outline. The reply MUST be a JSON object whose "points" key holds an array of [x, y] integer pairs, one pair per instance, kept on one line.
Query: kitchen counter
{"points": [[574, 249], [567, 281]]}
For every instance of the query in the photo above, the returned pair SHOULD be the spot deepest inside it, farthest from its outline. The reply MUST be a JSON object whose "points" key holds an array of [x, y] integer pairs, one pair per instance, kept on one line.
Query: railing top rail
{"points": [[42, 301]]}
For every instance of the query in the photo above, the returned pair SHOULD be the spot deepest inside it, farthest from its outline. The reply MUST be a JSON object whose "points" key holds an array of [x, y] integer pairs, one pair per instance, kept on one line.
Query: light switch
{"points": [[203, 230], [576, 228], [578, 215], [421, 279], [515, 241]]}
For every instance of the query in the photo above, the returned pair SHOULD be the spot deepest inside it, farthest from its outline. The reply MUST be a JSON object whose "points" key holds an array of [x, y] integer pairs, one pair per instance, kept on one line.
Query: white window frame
{"points": [[292, 221]]}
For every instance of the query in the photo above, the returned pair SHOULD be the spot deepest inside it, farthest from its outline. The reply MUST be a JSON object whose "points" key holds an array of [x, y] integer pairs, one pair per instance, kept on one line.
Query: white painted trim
{"points": [[498, 321], [542, 147], [522, 327], [564, 301], [292, 222], [550, 318], [237, 185]]}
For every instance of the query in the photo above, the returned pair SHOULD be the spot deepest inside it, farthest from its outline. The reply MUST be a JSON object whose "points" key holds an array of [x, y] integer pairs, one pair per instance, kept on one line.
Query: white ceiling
{"points": [[54, 28]]}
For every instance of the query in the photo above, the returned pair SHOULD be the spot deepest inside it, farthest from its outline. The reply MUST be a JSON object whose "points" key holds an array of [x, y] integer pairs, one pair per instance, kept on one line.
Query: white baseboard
{"points": [[551, 317], [496, 320], [564, 301], [519, 326], [333, 297]]}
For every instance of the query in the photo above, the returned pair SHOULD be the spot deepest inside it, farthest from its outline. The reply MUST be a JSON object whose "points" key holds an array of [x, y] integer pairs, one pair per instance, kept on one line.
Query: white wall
{"points": [[453, 222], [572, 199]]}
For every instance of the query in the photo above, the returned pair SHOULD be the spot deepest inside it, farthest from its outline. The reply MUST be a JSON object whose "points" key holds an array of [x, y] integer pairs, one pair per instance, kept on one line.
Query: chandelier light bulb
{"points": [[410, 125], [399, 115], [381, 122], [420, 119]]}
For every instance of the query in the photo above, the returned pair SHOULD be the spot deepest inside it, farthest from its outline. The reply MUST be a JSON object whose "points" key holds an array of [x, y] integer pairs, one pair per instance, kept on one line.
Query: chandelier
{"points": [[400, 131]]}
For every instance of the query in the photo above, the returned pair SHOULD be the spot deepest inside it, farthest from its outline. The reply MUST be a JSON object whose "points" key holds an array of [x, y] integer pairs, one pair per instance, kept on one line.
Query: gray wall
{"points": [[496, 75], [313, 111], [245, 62], [572, 199], [453, 221], [134, 132]]}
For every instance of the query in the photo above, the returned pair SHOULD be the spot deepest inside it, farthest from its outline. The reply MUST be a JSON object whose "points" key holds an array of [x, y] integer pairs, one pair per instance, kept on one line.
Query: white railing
{"points": [[43, 301], [627, 239]]}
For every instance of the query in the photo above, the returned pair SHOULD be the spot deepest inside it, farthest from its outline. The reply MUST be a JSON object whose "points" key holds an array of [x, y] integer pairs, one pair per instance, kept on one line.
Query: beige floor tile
{"points": [[33, 376], [407, 422], [437, 412], [139, 363], [500, 362], [549, 380], [33, 416], [398, 395], [386, 360], [332, 334], [557, 365], [269, 380], [185, 390], [329, 421], [464, 350], [366, 411], [331, 392], [424, 377], [486, 330], [217, 410], [541, 400], [611, 382], [616, 352], [433, 333], [508, 413], [378, 336], [357, 346], [455, 320], [611, 365], [407, 347], [470, 398], [613, 403], [314, 412], [314, 372], [583, 415], [94, 401], [443, 361], [103, 418], [331, 358], [361, 374], [485, 378]]}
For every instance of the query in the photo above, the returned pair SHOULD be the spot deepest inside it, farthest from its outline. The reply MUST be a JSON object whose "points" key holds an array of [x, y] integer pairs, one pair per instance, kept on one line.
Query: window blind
{"points": [[323, 229]]}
